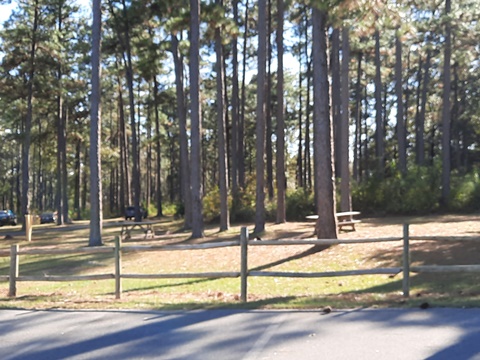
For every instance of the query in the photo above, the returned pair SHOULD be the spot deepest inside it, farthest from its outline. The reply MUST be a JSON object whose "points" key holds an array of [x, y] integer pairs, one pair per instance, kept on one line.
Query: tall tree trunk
{"points": [[96, 214], [358, 120], [446, 114], [280, 154], [336, 98], [77, 179], [186, 194], [241, 120], [268, 107], [28, 119], [64, 172], [323, 157], [299, 172], [365, 155], [401, 133], [85, 182], [60, 149], [60, 132], [345, 200], [380, 128], [307, 157], [221, 129], [260, 119], [407, 111], [158, 151], [456, 126], [423, 105], [196, 121], [125, 193], [235, 109], [148, 149], [133, 125]]}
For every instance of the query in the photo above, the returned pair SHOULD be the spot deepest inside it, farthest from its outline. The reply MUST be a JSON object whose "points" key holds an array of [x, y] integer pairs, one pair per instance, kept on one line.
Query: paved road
{"points": [[237, 334]]}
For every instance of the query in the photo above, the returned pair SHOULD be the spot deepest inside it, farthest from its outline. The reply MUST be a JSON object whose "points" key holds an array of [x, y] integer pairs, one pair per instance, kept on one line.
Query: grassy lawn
{"points": [[440, 289]]}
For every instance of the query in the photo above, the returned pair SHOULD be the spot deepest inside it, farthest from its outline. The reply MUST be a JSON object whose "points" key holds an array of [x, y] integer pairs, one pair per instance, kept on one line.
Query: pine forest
{"points": [[245, 111]]}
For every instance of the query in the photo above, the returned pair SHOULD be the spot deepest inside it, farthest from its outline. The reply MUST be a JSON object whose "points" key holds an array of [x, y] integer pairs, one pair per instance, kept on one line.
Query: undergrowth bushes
{"points": [[416, 193]]}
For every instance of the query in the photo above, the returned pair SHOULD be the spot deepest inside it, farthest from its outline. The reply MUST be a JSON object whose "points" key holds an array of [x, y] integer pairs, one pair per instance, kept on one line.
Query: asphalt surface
{"points": [[434, 333]]}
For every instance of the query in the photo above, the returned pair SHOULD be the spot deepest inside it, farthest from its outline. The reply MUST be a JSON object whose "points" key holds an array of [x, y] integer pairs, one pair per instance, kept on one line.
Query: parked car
{"points": [[130, 212], [8, 217], [48, 218]]}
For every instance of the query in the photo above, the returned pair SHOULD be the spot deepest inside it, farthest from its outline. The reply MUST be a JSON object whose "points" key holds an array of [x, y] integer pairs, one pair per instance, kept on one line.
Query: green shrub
{"points": [[300, 203], [465, 192], [416, 193], [243, 205], [211, 205], [151, 210], [172, 209]]}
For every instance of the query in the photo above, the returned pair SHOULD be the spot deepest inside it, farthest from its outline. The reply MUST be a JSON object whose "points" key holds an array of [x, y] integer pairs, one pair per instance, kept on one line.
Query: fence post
{"points": [[13, 270], [118, 267], [406, 262], [243, 263]]}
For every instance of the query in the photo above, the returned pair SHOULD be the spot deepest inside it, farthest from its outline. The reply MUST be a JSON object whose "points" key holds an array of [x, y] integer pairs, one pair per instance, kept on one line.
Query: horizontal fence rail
{"points": [[243, 273]]}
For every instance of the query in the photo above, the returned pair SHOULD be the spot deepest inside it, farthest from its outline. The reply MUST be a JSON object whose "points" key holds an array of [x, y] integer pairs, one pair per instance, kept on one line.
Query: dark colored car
{"points": [[8, 217], [130, 213], [48, 218]]}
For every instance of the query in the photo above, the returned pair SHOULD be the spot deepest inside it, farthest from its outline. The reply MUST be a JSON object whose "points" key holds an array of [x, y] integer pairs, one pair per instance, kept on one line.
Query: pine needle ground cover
{"points": [[436, 289]]}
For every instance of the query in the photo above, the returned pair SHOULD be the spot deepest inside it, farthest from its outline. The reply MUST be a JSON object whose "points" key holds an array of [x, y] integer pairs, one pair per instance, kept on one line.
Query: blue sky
{"points": [[5, 11]]}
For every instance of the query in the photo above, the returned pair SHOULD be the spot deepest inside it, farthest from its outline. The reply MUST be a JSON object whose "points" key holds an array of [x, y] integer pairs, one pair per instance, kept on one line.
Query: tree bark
{"points": [[221, 129], [420, 123], [186, 194], [268, 108], [28, 120], [196, 121], [280, 154], [446, 114], [323, 158], [336, 99], [133, 125], [401, 133], [380, 129], [158, 150], [96, 214], [260, 119], [358, 120], [345, 199], [235, 109], [241, 119]]}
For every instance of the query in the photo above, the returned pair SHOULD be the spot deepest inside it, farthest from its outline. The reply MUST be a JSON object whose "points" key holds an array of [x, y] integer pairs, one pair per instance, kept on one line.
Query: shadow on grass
{"points": [[60, 264], [311, 251]]}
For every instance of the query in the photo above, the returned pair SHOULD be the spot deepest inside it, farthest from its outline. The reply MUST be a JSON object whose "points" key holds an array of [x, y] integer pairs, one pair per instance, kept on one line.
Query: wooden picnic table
{"points": [[146, 226], [345, 218]]}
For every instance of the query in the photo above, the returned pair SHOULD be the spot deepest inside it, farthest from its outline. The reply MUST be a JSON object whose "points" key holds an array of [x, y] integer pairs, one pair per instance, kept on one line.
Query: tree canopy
{"points": [[193, 109]]}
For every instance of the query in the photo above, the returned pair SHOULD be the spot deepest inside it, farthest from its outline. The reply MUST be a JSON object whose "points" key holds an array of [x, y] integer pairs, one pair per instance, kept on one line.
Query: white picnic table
{"points": [[146, 226], [345, 218]]}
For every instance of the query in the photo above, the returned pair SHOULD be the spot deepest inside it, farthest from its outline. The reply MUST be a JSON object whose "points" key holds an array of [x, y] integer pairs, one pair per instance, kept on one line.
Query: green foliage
{"points": [[416, 193], [465, 192], [300, 203], [243, 205], [173, 209], [211, 205], [270, 210], [151, 209]]}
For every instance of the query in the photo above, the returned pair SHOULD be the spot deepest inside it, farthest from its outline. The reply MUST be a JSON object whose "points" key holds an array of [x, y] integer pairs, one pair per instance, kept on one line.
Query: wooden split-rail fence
{"points": [[243, 273]]}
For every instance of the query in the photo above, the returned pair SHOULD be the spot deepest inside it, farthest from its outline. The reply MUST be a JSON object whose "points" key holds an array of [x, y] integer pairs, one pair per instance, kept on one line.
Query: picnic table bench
{"points": [[345, 218], [129, 226]]}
